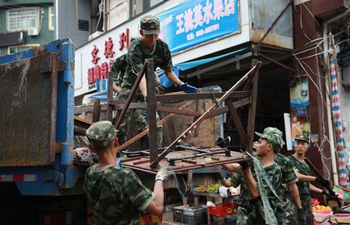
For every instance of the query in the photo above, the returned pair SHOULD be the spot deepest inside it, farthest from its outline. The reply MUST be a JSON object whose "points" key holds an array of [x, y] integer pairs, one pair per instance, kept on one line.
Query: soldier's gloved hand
{"points": [[244, 164], [188, 88], [163, 173], [119, 163], [224, 173], [220, 142], [324, 182], [326, 192], [301, 217]]}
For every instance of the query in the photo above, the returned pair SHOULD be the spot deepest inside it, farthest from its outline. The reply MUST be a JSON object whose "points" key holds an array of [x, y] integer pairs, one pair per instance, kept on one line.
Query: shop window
{"points": [[51, 18], [19, 48], [22, 19]]}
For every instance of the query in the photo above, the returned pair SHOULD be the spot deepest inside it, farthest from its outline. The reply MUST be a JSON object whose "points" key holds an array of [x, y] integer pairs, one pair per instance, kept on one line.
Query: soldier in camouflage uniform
{"points": [[292, 199], [235, 180], [145, 47], [270, 143], [266, 205], [116, 195], [303, 172], [118, 70]]}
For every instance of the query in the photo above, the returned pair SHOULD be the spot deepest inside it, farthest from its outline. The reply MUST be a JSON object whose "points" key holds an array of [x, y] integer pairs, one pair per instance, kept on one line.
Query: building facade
{"points": [[303, 45], [292, 41], [24, 24]]}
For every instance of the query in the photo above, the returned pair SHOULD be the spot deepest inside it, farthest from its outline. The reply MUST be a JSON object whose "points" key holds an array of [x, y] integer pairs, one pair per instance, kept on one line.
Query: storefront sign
{"points": [[195, 22], [300, 111], [97, 75]]}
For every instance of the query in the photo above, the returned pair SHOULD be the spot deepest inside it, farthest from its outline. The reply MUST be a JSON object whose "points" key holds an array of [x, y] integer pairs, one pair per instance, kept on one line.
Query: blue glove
{"points": [[188, 88], [145, 113], [119, 163], [224, 173]]}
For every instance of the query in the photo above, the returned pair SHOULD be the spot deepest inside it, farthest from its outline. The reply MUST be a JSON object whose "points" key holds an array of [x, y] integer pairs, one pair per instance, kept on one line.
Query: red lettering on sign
{"points": [[97, 72], [91, 77], [124, 40], [109, 48], [95, 58], [104, 70]]}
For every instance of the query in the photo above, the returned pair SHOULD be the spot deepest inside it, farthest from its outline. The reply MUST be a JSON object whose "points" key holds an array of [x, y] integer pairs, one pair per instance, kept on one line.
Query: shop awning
{"points": [[240, 54]]}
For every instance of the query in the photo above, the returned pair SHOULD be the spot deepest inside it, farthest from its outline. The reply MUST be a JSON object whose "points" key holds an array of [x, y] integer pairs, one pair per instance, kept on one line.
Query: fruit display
{"points": [[208, 188], [321, 208]]}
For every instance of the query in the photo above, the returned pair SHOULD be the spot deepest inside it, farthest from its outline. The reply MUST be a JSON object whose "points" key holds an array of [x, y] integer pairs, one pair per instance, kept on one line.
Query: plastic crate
{"points": [[178, 213], [230, 219], [195, 215], [223, 209]]}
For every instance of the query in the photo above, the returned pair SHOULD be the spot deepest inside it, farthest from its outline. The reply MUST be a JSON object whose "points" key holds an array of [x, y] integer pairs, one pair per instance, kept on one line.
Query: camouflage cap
{"points": [[302, 137], [150, 25], [101, 134], [273, 136]]}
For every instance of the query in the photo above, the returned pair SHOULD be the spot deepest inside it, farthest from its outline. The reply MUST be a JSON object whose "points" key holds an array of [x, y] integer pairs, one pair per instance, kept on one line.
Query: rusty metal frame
{"points": [[246, 97], [257, 49]]}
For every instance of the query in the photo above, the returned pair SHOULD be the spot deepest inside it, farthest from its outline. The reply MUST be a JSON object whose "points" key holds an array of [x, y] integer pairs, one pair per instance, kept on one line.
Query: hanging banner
{"points": [[338, 123], [194, 22], [299, 92]]}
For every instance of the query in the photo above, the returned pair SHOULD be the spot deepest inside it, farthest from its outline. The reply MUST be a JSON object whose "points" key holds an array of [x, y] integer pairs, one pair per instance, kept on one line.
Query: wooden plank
{"points": [[200, 119], [141, 163], [252, 110], [162, 121], [131, 95], [237, 121]]}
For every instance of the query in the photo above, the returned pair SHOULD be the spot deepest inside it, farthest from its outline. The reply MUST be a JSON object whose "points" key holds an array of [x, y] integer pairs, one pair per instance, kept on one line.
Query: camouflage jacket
{"points": [[256, 206], [116, 195], [288, 173], [303, 168], [118, 69], [136, 57]]}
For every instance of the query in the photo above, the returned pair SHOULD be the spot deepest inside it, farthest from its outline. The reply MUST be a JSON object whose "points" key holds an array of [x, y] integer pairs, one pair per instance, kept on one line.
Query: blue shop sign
{"points": [[194, 22]]}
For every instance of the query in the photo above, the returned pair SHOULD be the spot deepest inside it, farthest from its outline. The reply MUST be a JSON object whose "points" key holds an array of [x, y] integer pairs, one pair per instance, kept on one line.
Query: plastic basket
{"points": [[195, 215], [322, 217], [223, 209], [178, 213]]}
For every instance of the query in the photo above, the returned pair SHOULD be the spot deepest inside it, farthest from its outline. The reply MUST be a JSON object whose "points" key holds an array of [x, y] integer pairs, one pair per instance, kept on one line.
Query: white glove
{"points": [[163, 173]]}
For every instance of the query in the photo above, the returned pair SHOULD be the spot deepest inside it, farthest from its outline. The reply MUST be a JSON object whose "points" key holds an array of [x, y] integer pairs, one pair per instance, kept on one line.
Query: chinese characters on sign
{"points": [[98, 74], [193, 22], [124, 40]]}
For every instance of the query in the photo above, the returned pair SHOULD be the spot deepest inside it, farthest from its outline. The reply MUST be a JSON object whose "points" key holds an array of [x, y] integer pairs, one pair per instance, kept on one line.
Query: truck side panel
{"points": [[36, 140], [28, 111]]}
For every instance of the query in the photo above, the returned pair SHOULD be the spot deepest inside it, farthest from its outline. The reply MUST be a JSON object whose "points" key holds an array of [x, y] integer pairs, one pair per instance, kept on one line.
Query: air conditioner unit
{"points": [[95, 35], [33, 31]]}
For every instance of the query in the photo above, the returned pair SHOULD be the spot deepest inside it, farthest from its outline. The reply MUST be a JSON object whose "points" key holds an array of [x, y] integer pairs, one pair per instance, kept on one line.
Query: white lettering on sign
{"points": [[191, 19]]}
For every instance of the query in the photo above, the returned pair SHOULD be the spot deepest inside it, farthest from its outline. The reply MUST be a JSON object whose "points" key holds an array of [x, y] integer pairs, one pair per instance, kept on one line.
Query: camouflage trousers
{"points": [[256, 213], [291, 215], [242, 216], [307, 207], [137, 115]]}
